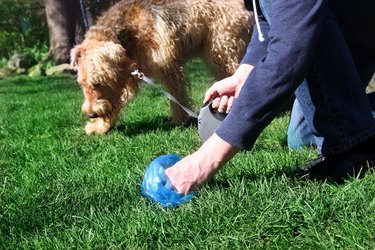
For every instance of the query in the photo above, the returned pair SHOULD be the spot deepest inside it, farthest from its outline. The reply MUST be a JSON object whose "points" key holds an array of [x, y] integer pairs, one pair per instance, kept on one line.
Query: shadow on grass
{"points": [[255, 177], [293, 176], [157, 123]]}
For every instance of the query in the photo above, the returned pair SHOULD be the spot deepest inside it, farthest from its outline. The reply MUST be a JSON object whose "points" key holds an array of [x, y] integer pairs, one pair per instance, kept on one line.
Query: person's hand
{"points": [[225, 91], [196, 169]]}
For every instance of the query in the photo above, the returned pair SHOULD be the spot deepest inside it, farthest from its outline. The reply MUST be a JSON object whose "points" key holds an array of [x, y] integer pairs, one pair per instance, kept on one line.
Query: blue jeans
{"points": [[332, 110], [299, 133]]}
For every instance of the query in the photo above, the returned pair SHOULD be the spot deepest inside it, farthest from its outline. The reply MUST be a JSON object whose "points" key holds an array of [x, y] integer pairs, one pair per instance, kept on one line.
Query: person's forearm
{"points": [[217, 150], [196, 169], [243, 72]]}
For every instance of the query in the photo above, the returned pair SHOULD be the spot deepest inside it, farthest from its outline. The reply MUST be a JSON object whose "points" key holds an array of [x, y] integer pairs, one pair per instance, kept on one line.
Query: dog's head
{"points": [[104, 73]]}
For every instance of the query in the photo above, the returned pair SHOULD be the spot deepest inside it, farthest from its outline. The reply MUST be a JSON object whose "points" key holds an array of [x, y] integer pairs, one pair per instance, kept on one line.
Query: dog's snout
{"points": [[93, 115]]}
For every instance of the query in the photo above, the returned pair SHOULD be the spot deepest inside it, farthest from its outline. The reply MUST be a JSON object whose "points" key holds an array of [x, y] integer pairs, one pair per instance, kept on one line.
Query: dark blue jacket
{"points": [[281, 63], [284, 58]]}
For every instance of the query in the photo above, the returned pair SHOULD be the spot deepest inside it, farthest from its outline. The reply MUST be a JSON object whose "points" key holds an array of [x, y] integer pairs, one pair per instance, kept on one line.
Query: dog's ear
{"points": [[107, 64], [75, 54]]}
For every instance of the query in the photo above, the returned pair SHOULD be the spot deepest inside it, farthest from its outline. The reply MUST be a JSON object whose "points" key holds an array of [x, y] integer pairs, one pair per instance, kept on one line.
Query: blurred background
{"points": [[36, 35]]}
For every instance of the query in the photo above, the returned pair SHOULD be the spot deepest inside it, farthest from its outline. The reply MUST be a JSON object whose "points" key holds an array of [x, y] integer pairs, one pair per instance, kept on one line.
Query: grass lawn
{"points": [[61, 189]]}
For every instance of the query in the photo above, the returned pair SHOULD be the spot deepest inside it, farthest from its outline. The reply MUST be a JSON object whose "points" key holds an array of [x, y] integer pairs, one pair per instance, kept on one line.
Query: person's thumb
{"points": [[210, 93]]}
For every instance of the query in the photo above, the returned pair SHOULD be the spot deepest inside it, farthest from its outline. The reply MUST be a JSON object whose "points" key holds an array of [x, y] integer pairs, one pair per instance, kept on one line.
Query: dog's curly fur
{"points": [[157, 37]]}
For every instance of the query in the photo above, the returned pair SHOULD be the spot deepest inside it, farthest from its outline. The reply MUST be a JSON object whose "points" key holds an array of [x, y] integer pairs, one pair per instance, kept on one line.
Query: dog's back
{"points": [[163, 31]]}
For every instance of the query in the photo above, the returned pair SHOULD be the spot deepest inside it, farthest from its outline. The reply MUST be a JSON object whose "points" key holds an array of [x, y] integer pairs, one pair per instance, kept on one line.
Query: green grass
{"points": [[61, 189]]}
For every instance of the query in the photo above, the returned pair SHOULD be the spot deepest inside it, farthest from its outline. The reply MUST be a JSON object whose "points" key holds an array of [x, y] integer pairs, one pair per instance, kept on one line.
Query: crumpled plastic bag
{"points": [[157, 186]]}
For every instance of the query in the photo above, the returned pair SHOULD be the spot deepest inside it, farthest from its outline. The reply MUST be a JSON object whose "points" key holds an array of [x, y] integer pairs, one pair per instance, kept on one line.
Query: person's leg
{"points": [[335, 106], [364, 59], [356, 21], [299, 134], [371, 97], [338, 109]]}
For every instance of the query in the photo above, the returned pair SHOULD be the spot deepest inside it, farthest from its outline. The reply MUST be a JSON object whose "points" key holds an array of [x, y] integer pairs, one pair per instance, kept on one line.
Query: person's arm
{"points": [[293, 37], [224, 92], [196, 169], [294, 34]]}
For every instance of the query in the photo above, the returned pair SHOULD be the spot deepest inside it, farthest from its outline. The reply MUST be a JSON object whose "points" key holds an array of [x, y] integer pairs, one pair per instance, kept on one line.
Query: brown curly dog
{"points": [[157, 38]]}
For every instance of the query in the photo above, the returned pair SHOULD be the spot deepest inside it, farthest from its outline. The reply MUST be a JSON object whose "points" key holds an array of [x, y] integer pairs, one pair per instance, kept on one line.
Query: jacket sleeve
{"points": [[293, 37], [257, 50]]}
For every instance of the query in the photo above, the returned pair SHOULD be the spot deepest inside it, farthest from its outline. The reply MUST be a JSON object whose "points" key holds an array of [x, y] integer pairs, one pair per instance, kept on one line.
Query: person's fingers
{"points": [[230, 104], [216, 102], [173, 177], [210, 93], [223, 104]]}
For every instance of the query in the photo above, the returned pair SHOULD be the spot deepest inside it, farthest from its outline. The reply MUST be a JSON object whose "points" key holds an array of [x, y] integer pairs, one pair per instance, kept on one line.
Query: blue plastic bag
{"points": [[157, 186]]}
